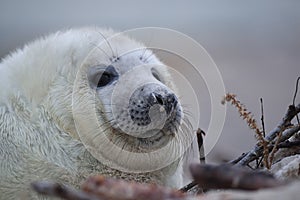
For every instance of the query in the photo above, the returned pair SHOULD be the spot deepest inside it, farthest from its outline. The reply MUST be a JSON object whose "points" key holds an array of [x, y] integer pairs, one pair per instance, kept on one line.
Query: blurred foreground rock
{"points": [[288, 192], [100, 188], [288, 167]]}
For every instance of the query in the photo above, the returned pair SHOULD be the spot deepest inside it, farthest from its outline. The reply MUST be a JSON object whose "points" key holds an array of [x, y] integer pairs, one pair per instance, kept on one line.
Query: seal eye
{"points": [[108, 76], [101, 75], [105, 79]]}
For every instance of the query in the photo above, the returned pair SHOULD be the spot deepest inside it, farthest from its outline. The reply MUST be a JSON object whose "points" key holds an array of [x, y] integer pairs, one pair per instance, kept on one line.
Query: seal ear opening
{"points": [[156, 75]]}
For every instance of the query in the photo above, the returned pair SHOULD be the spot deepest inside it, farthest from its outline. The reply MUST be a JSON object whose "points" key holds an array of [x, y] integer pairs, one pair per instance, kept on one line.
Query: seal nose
{"points": [[152, 103], [168, 101]]}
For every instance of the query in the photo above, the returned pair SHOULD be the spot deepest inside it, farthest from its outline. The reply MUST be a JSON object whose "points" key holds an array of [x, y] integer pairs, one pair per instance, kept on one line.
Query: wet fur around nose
{"points": [[148, 96]]}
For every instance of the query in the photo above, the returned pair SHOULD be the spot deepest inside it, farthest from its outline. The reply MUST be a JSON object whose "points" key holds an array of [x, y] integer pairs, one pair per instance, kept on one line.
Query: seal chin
{"points": [[156, 141]]}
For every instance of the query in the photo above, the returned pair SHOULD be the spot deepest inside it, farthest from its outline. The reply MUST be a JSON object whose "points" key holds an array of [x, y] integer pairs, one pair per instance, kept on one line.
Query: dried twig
{"points": [[295, 95], [232, 177], [274, 149], [289, 132], [200, 133], [188, 187], [235, 161], [262, 117], [288, 144]]}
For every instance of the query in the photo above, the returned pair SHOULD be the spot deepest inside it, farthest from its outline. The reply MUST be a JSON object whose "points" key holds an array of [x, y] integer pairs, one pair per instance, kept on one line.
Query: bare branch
{"points": [[200, 133], [235, 161], [188, 186], [288, 144], [295, 95], [285, 122], [262, 117], [274, 149]]}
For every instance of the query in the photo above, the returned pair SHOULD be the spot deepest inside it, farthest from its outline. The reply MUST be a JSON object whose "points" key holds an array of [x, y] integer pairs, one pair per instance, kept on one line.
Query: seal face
{"points": [[143, 113], [136, 113]]}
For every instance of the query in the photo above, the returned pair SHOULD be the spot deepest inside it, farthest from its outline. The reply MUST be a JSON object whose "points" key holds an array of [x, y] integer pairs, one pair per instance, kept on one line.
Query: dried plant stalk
{"points": [[251, 122], [245, 114], [275, 148]]}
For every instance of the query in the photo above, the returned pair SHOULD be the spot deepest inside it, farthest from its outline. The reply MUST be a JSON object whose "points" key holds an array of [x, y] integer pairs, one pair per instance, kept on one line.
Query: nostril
{"points": [[175, 103], [171, 98], [159, 99]]}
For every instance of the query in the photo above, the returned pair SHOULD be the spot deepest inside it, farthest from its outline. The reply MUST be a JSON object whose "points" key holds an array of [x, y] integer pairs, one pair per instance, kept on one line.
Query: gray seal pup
{"points": [[88, 101]]}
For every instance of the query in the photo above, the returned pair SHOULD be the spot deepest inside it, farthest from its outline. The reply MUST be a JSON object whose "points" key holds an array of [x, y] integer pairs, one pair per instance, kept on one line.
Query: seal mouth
{"points": [[156, 140]]}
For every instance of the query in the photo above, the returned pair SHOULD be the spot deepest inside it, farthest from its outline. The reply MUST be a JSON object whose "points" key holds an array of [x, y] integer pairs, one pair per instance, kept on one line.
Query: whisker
{"points": [[114, 104], [143, 54], [105, 123], [103, 131], [97, 46], [108, 43], [186, 106], [146, 48], [117, 54], [188, 123], [188, 113], [189, 116]]}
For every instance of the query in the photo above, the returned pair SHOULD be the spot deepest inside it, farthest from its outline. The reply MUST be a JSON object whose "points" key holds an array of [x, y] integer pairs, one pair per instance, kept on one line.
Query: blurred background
{"points": [[255, 44]]}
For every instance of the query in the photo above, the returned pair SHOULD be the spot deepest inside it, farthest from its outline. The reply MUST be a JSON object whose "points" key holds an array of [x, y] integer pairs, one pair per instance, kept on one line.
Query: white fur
{"points": [[38, 139]]}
